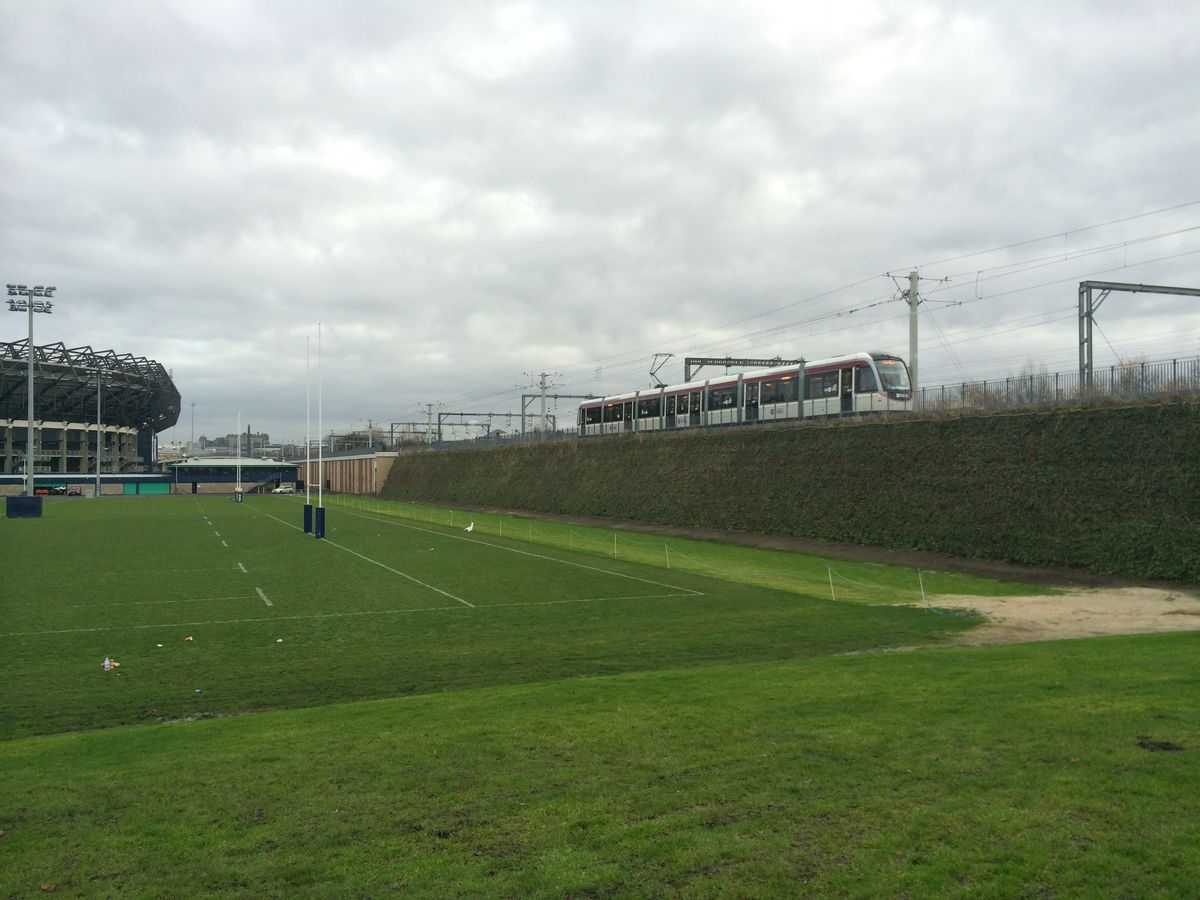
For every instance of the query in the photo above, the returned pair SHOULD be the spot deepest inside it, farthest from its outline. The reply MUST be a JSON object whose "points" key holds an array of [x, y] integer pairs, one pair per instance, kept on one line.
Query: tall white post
{"points": [[239, 451], [307, 420], [320, 427]]}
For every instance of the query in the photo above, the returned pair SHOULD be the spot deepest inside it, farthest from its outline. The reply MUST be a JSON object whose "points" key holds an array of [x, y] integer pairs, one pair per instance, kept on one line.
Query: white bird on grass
{"points": [[470, 527]]}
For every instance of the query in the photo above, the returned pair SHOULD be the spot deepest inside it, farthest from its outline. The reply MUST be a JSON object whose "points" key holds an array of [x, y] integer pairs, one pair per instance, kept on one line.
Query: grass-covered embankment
{"points": [[1113, 490]]}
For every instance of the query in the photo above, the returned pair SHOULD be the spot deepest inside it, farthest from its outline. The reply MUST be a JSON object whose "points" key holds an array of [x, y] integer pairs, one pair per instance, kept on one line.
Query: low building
{"points": [[223, 475]]}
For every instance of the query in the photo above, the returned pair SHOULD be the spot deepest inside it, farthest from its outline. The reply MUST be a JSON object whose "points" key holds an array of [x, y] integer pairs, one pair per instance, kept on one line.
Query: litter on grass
{"points": [[109, 664]]}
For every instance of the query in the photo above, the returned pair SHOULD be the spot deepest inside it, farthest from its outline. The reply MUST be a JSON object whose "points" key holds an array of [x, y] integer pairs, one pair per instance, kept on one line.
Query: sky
{"points": [[378, 210]]}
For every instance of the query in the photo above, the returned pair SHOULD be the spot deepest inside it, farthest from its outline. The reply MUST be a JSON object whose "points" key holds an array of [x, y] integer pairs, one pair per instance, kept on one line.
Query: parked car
{"points": [[284, 489]]}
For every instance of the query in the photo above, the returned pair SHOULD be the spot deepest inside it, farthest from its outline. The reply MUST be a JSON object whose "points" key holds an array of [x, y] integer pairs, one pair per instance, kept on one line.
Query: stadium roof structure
{"points": [[135, 392]]}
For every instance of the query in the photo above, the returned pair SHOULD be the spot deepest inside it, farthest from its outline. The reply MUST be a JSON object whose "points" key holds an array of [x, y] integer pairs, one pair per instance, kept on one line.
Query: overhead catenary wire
{"points": [[629, 362]]}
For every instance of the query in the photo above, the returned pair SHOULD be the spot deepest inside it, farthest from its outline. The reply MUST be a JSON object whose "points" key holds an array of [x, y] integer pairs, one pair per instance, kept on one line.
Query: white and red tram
{"points": [[859, 383]]}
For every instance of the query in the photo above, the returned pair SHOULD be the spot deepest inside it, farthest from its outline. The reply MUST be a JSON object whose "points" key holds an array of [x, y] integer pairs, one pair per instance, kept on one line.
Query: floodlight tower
{"points": [[34, 299]]}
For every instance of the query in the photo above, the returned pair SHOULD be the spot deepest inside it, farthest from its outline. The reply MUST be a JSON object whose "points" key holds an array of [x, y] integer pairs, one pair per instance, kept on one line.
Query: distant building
{"points": [[222, 474]]}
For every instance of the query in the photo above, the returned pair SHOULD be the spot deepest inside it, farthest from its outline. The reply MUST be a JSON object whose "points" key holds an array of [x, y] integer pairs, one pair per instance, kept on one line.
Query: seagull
{"points": [[470, 527]]}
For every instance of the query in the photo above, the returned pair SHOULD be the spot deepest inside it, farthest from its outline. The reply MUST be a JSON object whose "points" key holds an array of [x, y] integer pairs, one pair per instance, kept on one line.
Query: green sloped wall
{"points": [[1113, 490]]}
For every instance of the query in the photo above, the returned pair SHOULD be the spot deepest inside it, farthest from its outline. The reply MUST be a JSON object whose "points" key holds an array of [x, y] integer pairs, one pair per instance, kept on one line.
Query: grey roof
{"points": [[230, 462]]}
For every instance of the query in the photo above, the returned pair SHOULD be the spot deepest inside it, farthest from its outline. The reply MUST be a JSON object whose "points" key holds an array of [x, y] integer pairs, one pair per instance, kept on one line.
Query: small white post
{"points": [[921, 578], [667, 550], [831, 593], [614, 545]]}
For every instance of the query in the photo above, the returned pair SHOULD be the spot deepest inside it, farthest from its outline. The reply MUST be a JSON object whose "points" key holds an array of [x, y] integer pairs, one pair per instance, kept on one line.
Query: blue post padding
{"points": [[319, 527], [23, 507], [308, 518]]}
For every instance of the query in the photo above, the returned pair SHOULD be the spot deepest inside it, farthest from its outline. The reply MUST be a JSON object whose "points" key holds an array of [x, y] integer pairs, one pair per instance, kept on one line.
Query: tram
{"points": [[856, 384]]}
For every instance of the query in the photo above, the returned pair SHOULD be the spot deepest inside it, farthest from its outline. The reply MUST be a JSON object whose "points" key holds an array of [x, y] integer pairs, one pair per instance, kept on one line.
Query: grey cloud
{"points": [[467, 193]]}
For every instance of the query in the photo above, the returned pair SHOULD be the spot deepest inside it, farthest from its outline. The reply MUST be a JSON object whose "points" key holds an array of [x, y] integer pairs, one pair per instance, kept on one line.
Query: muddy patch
{"points": [[1093, 612]]}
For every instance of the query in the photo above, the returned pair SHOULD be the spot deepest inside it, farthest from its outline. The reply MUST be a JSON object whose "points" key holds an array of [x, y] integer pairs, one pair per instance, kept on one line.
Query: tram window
{"points": [[824, 384], [670, 406], [593, 414], [695, 405], [648, 408], [864, 380], [781, 391], [722, 398], [612, 413]]}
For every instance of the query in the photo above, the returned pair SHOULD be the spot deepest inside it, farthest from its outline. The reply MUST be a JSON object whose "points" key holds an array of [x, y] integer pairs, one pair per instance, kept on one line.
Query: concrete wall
{"points": [[363, 474]]}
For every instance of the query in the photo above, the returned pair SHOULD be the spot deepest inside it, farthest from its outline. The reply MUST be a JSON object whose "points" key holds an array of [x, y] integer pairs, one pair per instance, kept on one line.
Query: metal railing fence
{"points": [[1129, 381]]}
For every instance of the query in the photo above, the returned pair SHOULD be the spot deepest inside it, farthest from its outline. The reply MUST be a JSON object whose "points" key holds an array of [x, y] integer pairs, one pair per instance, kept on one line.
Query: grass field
{"points": [[536, 708]]}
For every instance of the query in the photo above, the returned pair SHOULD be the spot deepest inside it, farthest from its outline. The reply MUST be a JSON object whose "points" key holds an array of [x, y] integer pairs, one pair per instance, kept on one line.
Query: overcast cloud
{"points": [[467, 194]]}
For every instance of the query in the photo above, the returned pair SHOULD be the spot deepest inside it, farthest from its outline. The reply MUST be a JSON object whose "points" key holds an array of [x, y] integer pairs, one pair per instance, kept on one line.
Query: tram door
{"points": [[751, 402], [629, 415], [847, 390]]}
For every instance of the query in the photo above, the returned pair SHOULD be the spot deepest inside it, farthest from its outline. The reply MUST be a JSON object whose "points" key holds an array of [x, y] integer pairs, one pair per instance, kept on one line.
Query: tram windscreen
{"points": [[894, 375]]}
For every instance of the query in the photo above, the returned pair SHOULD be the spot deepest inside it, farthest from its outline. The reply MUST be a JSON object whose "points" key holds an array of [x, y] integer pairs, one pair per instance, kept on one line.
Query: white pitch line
{"points": [[150, 602], [565, 562], [243, 568], [376, 562], [217, 533], [164, 571], [340, 615], [223, 544], [265, 598], [369, 612], [689, 595]]}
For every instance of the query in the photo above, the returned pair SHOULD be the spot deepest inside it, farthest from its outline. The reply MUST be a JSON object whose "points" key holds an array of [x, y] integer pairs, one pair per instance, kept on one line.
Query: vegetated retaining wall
{"points": [[1113, 490]]}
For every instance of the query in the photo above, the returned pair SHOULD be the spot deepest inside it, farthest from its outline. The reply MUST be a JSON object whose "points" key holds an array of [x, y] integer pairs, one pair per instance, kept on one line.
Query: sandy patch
{"points": [[1076, 614]]}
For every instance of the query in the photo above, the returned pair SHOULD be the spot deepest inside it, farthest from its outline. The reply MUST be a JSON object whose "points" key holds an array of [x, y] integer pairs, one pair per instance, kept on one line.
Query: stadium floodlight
{"points": [[99, 446], [30, 299]]}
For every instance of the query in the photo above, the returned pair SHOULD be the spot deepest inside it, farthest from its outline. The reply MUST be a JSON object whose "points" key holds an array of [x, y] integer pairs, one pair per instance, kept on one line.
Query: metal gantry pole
{"points": [[913, 299]]}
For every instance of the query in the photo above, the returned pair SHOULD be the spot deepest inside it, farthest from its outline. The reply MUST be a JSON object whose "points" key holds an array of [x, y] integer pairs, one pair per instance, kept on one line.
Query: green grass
{"points": [[367, 613], [589, 725], [998, 771], [860, 582]]}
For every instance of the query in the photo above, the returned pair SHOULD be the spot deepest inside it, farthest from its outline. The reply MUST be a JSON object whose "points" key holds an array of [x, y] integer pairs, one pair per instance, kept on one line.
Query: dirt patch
{"points": [[1076, 614]]}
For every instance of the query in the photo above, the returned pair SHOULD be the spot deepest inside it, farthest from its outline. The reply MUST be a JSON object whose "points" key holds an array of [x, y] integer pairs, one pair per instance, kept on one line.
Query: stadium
{"points": [[80, 393]]}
